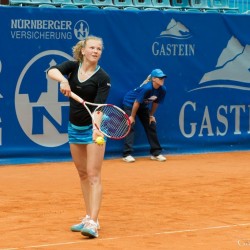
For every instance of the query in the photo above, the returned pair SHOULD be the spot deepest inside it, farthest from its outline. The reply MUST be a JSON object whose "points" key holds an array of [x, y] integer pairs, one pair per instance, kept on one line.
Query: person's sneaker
{"points": [[90, 229], [158, 158], [129, 158], [80, 226]]}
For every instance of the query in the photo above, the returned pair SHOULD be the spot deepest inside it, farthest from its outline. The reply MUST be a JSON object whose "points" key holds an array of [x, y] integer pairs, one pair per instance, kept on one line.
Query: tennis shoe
{"points": [[129, 158], [80, 226], [90, 229], [158, 158]]}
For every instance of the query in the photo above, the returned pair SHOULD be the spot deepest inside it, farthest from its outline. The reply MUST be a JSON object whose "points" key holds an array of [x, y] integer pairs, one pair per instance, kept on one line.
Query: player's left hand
{"points": [[96, 133]]}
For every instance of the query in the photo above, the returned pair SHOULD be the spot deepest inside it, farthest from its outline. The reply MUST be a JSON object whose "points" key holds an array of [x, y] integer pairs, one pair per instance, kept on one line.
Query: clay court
{"points": [[188, 202]]}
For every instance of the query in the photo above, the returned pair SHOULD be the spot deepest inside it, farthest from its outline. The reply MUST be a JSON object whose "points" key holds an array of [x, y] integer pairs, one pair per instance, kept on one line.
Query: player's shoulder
{"points": [[102, 77], [103, 73], [66, 65], [73, 63], [147, 86], [70, 64]]}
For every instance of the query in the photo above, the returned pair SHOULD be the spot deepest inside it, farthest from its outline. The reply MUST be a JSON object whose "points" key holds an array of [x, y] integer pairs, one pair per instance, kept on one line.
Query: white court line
{"points": [[132, 236]]}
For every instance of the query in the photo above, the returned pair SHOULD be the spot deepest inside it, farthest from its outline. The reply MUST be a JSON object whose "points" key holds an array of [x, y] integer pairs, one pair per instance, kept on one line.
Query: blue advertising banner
{"points": [[205, 55]]}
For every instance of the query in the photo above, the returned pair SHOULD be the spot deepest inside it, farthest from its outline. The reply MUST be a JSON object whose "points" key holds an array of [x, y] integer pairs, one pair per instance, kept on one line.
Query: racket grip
{"points": [[76, 97]]}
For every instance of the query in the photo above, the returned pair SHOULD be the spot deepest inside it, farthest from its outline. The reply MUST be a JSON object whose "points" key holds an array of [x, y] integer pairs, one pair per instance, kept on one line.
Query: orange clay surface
{"points": [[196, 202]]}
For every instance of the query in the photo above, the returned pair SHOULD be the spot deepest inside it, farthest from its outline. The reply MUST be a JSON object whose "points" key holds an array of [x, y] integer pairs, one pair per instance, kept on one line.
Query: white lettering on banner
{"points": [[48, 29], [205, 126], [46, 35], [40, 24], [159, 49]]}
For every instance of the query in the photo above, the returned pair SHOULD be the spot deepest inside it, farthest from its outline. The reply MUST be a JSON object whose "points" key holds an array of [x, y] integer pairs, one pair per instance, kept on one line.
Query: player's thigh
{"points": [[79, 154], [143, 114], [95, 155]]}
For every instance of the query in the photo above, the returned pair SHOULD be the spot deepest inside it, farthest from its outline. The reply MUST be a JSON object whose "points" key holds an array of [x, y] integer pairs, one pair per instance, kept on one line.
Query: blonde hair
{"points": [[77, 49], [148, 79]]}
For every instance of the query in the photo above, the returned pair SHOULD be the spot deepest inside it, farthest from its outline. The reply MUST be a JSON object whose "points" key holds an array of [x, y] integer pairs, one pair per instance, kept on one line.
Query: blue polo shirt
{"points": [[145, 95]]}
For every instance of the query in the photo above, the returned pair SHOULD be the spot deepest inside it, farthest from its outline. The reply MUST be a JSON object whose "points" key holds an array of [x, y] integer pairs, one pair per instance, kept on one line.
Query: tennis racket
{"points": [[109, 119]]}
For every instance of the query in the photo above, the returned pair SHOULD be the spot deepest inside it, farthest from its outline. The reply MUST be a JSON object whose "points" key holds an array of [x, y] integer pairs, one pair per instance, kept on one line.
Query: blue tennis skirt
{"points": [[80, 134]]}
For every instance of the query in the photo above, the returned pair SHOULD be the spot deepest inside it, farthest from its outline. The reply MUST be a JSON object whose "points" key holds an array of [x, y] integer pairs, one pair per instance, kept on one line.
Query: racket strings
{"points": [[113, 122]]}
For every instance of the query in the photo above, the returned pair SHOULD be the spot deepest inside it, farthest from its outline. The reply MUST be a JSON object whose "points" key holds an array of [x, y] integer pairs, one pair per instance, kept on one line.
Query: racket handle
{"points": [[76, 97]]}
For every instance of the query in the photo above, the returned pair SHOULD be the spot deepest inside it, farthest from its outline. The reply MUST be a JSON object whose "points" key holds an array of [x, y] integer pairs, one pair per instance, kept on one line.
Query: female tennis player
{"points": [[89, 81]]}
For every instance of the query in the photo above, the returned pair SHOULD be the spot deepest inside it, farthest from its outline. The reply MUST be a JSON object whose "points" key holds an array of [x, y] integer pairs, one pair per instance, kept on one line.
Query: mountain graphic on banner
{"points": [[233, 64], [176, 30]]}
